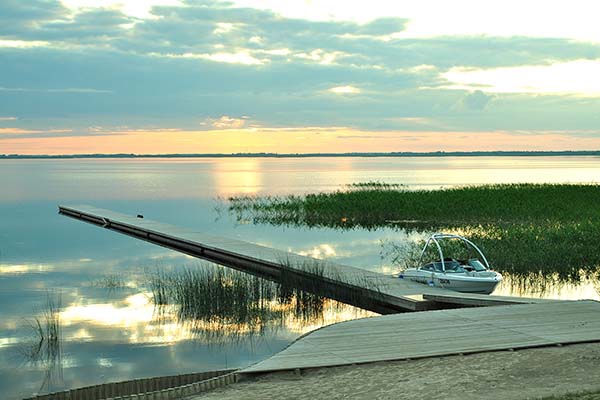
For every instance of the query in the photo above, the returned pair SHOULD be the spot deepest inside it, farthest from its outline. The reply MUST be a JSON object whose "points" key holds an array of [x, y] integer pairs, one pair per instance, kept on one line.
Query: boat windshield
{"points": [[449, 266], [477, 265]]}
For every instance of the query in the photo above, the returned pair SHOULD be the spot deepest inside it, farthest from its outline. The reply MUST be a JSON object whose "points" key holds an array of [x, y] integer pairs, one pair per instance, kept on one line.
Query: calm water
{"points": [[115, 334]]}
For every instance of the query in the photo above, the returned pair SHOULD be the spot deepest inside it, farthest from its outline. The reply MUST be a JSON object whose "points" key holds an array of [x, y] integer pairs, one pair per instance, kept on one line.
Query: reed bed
{"points": [[522, 228], [110, 281], [371, 205], [220, 302]]}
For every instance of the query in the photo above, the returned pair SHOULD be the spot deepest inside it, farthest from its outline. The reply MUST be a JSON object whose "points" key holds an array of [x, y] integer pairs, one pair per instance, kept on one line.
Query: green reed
{"points": [[367, 206], [110, 281], [46, 330], [522, 228], [45, 346], [221, 296]]}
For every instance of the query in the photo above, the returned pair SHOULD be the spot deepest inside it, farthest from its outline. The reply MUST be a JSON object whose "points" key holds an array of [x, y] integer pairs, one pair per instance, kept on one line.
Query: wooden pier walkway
{"points": [[439, 333], [359, 287]]}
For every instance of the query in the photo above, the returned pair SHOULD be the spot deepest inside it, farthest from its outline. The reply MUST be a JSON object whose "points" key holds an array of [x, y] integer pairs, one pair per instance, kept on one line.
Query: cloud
{"points": [[344, 90], [23, 44], [241, 57], [226, 122], [577, 77], [19, 131], [133, 8], [207, 59], [8, 118], [476, 100], [383, 26], [18, 17], [63, 90]]}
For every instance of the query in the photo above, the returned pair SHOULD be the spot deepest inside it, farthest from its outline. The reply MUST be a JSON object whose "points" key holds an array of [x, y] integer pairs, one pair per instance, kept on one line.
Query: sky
{"points": [[298, 76]]}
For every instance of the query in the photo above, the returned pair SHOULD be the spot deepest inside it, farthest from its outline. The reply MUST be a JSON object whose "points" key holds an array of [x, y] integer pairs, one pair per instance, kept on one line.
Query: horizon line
{"points": [[308, 155]]}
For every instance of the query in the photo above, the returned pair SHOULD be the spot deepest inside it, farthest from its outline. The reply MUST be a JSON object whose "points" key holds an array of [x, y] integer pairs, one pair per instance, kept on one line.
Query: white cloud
{"points": [[23, 44], [321, 56], [277, 52], [255, 40], [240, 57], [60, 90], [578, 77], [226, 122], [133, 8], [223, 27], [576, 19], [345, 90], [8, 118]]}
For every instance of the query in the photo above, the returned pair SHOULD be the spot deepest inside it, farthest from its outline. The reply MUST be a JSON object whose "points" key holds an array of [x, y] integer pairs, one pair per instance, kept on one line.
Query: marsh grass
{"points": [[110, 281], [45, 346], [522, 228], [217, 302], [582, 395], [370, 205], [46, 330]]}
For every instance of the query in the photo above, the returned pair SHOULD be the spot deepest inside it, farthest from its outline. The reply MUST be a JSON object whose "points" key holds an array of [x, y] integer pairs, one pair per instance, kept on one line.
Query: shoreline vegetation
{"points": [[532, 231], [311, 155]]}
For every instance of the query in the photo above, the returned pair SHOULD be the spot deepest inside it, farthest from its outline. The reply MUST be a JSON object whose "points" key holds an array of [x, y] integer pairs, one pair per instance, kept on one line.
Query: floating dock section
{"points": [[365, 289], [439, 333]]}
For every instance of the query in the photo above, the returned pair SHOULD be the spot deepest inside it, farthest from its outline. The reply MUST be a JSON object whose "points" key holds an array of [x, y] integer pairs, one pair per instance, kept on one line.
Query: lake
{"points": [[113, 333]]}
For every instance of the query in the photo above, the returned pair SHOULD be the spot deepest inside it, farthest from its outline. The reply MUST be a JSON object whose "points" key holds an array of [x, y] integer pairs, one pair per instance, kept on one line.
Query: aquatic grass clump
{"points": [[213, 293], [46, 330], [221, 300], [45, 346], [110, 281], [368, 207], [522, 228]]}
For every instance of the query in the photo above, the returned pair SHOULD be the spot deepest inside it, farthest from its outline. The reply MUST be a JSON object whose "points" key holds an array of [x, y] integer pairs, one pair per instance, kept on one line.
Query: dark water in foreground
{"points": [[111, 334]]}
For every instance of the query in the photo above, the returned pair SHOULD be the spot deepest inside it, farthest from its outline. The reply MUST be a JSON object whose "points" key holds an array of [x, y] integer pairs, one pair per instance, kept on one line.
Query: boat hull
{"points": [[459, 283]]}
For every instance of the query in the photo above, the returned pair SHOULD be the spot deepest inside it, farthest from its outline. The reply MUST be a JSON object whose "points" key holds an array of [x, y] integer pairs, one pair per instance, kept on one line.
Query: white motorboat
{"points": [[472, 276]]}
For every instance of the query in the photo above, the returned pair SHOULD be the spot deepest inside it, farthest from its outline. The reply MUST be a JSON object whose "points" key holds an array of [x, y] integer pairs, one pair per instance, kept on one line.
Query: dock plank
{"points": [[388, 294], [438, 333]]}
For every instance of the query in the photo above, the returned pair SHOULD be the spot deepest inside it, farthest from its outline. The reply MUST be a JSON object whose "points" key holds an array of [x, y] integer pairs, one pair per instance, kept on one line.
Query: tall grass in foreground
{"points": [[522, 228]]}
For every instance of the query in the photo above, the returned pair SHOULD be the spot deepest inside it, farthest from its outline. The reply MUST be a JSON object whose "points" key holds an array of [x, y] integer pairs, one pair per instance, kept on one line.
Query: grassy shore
{"points": [[523, 228]]}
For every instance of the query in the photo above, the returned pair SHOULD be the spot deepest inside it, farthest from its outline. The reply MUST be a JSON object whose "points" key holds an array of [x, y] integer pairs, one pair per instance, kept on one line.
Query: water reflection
{"points": [[106, 333], [526, 230], [215, 302], [551, 286], [142, 179], [111, 334], [44, 348], [239, 176]]}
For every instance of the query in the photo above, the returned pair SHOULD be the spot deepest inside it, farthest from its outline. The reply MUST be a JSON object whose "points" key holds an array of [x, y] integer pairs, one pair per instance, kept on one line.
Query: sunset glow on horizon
{"points": [[181, 76]]}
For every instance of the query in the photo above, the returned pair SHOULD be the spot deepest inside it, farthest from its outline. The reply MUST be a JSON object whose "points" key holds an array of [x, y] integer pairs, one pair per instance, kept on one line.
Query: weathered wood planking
{"points": [[438, 333], [362, 288]]}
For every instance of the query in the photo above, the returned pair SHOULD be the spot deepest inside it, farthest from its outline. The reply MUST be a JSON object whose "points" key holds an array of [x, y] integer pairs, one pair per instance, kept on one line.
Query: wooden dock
{"points": [[439, 333], [361, 288]]}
